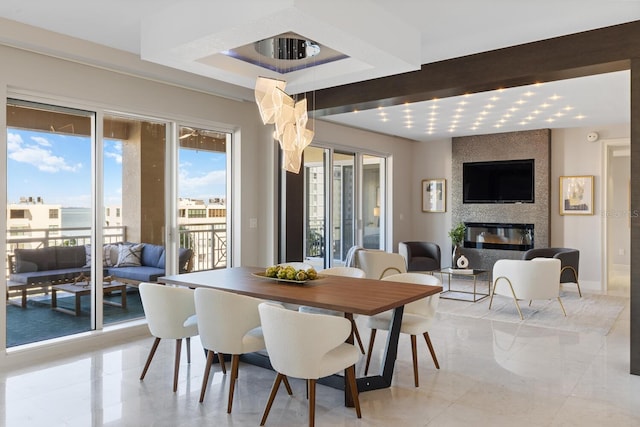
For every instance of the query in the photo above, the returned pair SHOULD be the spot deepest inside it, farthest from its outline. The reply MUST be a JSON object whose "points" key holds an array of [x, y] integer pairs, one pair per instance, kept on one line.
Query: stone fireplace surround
{"points": [[534, 144]]}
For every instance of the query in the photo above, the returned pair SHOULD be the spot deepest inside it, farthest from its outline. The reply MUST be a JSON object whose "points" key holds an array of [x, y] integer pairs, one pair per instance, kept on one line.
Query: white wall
{"points": [[431, 160], [571, 154]]}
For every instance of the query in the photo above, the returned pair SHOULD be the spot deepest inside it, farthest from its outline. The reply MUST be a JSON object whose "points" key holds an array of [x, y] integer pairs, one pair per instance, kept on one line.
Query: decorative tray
{"points": [[298, 282]]}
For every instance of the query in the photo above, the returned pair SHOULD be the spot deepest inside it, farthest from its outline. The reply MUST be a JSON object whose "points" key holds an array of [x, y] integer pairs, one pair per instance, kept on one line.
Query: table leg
{"points": [[391, 352], [348, 399], [54, 298], [78, 310]]}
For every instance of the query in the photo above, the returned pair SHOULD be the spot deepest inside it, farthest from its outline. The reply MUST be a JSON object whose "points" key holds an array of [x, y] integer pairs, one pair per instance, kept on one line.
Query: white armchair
{"points": [[527, 280], [307, 346]]}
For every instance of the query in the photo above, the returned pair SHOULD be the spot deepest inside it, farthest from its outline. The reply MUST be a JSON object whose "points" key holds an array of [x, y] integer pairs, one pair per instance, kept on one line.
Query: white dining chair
{"points": [[378, 264], [229, 323], [170, 313], [416, 319], [308, 346], [519, 279], [344, 272]]}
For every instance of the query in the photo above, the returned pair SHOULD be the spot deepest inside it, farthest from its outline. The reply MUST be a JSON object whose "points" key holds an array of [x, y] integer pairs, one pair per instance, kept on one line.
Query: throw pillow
{"points": [[129, 255], [87, 256], [110, 254]]}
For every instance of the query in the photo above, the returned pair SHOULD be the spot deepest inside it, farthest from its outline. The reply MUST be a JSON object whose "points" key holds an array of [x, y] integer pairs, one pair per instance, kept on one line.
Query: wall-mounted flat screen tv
{"points": [[507, 181]]}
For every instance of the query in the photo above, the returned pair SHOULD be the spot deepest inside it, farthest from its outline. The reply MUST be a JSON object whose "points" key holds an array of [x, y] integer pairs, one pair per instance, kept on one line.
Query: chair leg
{"points": [[578, 285], [312, 402], [372, 338], [188, 349], [350, 373], [575, 276], [562, 307], [176, 368], [272, 395], [285, 380], [221, 361], [431, 350], [235, 362], [414, 354], [154, 347], [205, 378]]}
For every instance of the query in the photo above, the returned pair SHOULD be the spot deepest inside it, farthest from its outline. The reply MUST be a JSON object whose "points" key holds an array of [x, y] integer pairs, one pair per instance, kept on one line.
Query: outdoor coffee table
{"points": [[84, 288], [459, 294]]}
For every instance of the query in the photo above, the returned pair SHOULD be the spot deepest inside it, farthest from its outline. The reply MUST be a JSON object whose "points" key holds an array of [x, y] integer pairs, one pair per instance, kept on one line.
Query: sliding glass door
{"points": [[202, 198], [344, 204], [49, 221]]}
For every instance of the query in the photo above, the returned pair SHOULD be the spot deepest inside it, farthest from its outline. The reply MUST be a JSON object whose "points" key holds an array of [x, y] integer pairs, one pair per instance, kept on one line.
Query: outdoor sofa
{"points": [[130, 263]]}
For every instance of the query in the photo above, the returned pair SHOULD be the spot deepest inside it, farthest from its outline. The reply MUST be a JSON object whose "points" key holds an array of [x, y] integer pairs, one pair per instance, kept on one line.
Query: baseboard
{"points": [[74, 345], [620, 270], [589, 286]]}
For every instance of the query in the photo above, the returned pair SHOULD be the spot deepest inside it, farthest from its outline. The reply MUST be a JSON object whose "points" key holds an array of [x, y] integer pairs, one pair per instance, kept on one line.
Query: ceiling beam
{"points": [[582, 54]]}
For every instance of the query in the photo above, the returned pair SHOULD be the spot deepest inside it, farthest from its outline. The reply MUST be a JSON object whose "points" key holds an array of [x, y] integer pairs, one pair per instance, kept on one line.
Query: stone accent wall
{"points": [[504, 146]]}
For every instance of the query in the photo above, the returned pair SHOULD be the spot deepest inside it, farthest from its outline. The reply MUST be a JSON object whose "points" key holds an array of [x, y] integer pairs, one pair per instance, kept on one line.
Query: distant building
{"points": [[32, 213]]}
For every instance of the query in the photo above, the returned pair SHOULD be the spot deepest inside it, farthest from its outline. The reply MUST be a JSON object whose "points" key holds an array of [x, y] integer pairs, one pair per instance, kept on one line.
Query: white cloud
{"points": [[201, 184], [35, 155], [44, 142], [116, 156]]}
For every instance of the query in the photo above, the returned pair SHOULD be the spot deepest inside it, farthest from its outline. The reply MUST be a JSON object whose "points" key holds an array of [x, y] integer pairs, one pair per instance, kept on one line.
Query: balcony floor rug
{"points": [[38, 322], [592, 313]]}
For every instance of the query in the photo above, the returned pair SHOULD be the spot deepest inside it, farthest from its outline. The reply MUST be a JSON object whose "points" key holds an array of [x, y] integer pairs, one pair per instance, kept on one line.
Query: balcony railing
{"points": [[208, 242]]}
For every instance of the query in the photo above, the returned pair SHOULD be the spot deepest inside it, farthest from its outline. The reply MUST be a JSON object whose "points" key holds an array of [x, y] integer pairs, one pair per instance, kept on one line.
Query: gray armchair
{"points": [[569, 259], [420, 256]]}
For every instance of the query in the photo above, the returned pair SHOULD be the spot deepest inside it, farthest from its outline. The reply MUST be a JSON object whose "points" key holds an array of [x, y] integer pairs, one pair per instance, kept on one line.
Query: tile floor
{"points": [[492, 374]]}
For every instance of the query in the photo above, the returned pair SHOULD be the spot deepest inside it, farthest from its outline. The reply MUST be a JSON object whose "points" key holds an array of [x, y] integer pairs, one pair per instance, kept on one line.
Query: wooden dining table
{"points": [[345, 294]]}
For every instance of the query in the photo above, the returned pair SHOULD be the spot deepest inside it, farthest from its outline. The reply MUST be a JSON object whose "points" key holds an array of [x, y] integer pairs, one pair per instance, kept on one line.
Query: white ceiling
{"points": [[379, 37]]}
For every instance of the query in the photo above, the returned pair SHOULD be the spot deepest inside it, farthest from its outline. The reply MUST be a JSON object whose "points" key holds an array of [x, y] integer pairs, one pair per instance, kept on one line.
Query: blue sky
{"points": [[58, 168]]}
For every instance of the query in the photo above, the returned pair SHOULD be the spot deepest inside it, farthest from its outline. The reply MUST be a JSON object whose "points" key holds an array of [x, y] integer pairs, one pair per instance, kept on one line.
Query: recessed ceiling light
{"points": [[580, 117], [520, 102], [554, 97], [568, 108], [559, 114], [463, 102], [489, 106], [513, 109], [545, 105], [550, 120], [529, 93], [536, 112], [459, 110], [494, 98]]}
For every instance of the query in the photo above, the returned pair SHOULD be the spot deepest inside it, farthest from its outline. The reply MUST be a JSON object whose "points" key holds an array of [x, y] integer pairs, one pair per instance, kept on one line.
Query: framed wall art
{"points": [[576, 195], [434, 195]]}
